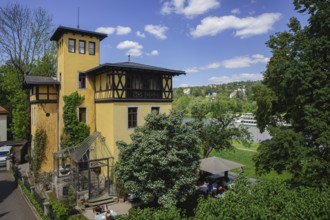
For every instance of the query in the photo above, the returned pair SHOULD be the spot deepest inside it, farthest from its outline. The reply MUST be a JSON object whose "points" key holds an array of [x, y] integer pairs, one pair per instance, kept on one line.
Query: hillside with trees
{"points": [[295, 90], [237, 94]]}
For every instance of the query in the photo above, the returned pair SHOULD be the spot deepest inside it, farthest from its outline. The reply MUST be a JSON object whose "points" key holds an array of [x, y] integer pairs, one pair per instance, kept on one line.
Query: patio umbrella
{"points": [[216, 165]]}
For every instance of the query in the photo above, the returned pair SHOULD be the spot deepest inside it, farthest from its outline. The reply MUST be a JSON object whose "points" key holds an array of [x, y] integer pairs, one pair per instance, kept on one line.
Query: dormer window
{"points": [[72, 45], [82, 46], [91, 48]]}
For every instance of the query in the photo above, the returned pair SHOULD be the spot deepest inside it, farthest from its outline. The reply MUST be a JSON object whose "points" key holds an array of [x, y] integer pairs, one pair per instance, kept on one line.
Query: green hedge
{"points": [[33, 201]]}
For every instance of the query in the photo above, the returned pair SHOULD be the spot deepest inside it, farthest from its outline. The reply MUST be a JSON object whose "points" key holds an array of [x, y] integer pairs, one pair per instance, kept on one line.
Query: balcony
{"points": [[143, 94]]}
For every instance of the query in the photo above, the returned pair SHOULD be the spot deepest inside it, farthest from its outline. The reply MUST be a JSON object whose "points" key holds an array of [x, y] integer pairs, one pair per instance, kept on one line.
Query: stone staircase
{"points": [[104, 199]]}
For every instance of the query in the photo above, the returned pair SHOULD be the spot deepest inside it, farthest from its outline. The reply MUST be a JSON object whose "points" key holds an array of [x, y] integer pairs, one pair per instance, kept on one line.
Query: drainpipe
{"points": [[94, 88]]}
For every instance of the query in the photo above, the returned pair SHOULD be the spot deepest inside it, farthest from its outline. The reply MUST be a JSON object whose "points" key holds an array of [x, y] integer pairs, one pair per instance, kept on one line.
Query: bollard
{"points": [[46, 208]]}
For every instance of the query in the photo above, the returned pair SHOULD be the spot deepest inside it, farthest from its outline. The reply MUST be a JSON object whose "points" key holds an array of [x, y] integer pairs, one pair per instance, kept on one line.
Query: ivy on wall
{"points": [[74, 131], [40, 139]]}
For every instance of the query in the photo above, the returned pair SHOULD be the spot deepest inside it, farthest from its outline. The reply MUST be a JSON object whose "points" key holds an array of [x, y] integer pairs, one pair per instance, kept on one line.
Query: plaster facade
{"points": [[109, 90]]}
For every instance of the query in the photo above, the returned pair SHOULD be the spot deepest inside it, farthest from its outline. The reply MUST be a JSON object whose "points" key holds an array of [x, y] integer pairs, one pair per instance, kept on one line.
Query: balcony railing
{"points": [[143, 94]]}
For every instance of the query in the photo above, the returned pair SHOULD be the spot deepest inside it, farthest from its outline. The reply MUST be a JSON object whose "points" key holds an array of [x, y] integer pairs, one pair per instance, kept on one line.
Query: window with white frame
{"points": [[91, 48], [82, 46], [72, 45]]}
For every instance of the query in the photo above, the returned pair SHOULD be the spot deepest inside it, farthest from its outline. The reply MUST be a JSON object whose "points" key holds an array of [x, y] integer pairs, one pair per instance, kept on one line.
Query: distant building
{"points": [[3, 124], [237, 92], [187, 91], [213, 94], [213, 85]]}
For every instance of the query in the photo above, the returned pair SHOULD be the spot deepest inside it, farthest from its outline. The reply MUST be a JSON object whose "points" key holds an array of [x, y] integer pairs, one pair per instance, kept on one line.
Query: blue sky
{"points": [[214, 41]]}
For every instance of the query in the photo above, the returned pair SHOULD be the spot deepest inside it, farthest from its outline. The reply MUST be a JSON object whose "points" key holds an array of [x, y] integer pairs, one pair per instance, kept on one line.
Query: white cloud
{"points": [[156, 30], [214, 65], [236, 62], [119, 30], [244, 61], [153, 53], [189, 8], [192, 69], [106, 30], [235, 11], [123, 30], [245, 27], [134, 48], [140, 34], [236, 78]]}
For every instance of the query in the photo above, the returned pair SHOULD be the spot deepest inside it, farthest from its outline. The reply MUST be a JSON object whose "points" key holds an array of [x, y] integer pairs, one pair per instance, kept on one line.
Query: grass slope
{"points": [[243, 155]]}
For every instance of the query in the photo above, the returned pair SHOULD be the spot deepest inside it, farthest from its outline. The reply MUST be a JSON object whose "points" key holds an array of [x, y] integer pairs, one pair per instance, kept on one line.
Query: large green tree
{"points": [[26, 49], [218, 131], [161, 162], [152, 214], [13, 98], [296, 89], [24, 35], [267, 200]]}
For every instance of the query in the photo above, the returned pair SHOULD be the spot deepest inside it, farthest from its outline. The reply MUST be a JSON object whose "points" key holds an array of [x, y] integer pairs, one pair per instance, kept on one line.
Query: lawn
{"points": [[243, 155]]}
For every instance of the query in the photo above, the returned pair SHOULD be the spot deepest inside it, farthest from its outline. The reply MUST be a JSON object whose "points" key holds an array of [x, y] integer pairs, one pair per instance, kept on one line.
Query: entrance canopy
{"points": [[217, 165]]}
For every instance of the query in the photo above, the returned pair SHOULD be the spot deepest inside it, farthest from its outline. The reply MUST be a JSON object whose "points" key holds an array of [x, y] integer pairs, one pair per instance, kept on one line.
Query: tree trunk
{"points": [[207, 152]]}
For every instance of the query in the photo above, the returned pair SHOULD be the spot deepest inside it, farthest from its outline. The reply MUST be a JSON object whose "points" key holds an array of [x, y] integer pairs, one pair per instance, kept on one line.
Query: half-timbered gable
{"points": [[130, 81]]}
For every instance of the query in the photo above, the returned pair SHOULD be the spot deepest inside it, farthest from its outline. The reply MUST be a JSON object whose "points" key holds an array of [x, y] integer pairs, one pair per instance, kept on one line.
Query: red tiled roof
{"points": [[3, 111]]}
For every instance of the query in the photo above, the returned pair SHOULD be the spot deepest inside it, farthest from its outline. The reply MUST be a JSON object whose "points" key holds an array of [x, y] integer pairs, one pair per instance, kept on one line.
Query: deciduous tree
{"points": [[296, 89], [13, 98], [161, 162], [24, 35], [267, 200], [217, 132]]}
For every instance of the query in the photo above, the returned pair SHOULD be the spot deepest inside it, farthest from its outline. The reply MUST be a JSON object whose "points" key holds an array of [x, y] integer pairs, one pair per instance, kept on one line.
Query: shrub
{"points": [[59, 209], [33, 201]]}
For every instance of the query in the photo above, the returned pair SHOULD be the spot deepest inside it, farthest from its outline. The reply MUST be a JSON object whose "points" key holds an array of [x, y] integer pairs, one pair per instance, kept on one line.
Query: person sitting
{"points": [[220, 190], [98, 209], [108, 216]]}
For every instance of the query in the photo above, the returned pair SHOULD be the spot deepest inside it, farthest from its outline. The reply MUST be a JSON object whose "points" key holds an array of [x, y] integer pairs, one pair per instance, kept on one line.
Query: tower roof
{"points": [[63, 30]]}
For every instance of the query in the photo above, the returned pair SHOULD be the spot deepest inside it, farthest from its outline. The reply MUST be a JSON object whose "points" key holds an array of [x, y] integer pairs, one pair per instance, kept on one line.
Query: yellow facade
{"points": [[107, 94], [44, 116], [69, 65], [111, 120]]}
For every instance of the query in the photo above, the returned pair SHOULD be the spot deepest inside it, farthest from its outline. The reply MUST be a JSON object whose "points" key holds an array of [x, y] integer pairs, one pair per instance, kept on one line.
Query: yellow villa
{"points": [[117, 98]]}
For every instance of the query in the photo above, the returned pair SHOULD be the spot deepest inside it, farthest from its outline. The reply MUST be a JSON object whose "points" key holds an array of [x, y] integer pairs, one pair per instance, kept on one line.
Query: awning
{"points": [[217, 165]]}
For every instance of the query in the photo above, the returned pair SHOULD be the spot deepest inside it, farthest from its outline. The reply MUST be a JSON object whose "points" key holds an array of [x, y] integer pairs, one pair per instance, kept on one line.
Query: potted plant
{"points": [[121, 192]]}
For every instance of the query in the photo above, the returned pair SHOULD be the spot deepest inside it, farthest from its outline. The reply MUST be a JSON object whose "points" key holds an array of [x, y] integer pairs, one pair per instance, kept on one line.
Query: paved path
{"points": [[12, 203]]}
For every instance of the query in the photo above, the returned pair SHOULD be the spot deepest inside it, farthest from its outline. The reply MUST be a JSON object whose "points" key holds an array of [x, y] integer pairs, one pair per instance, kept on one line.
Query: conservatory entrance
{"points": [[87, 167]]}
